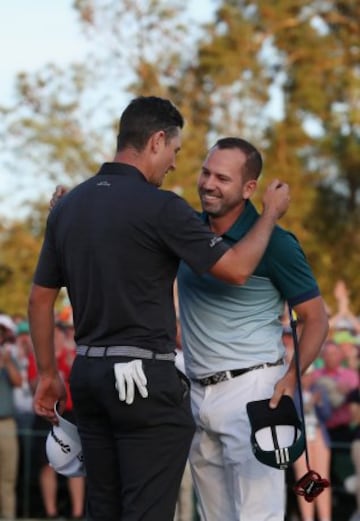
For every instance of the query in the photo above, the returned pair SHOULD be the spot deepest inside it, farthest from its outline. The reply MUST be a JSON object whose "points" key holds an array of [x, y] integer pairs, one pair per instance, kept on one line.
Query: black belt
{"points": [[222, 376], [128, 351]]}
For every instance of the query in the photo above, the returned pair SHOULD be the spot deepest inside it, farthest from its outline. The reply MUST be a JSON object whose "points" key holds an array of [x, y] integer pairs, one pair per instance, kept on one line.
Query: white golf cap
{"points": [[63, 448]]}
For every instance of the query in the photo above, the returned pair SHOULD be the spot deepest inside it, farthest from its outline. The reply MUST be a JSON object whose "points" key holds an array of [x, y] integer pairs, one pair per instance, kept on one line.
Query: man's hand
{"points": [[60, 190], [286, 385], [127, 375], [276, 198], [49, 390]]}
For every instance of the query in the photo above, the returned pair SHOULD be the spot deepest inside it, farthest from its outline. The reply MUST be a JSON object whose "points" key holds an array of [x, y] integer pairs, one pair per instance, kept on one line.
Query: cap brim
{"points": [[69, 428]]}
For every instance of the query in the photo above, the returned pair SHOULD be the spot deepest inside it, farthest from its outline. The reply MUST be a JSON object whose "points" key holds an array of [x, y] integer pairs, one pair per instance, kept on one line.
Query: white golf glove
{"points": [[127, 375]]}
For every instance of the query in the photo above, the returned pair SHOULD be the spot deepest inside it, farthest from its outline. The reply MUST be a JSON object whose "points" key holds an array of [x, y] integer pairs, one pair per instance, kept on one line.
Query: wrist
{"points": [[270, 214], [48, 372]]}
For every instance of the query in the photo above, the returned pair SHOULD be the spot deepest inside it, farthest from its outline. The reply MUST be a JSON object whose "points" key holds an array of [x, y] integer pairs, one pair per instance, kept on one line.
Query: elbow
{"points": [[235, 278], [228, 270], [240, 279]]}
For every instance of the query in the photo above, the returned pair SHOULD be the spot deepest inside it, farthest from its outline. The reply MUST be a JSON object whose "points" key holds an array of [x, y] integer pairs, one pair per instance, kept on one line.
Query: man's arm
{"points": [[239, 262], [314, 329], [50, 387]]}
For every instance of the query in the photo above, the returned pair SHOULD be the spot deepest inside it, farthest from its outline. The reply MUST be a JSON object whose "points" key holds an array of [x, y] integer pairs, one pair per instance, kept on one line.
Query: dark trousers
{"points": [[134, 454]]}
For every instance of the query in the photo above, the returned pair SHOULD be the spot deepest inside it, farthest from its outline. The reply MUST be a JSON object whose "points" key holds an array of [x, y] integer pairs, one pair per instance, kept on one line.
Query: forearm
{"points": [[240, 261], [249, 251], [41, 320], [311, 339]]}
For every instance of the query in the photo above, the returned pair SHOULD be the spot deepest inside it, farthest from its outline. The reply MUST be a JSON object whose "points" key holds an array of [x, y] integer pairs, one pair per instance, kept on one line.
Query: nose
{"points": [[206, 183]]}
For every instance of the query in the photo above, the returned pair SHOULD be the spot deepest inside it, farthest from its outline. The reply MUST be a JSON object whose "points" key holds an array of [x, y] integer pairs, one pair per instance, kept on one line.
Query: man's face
{"points": [[332, 356], [221, 186], [165, 157]]}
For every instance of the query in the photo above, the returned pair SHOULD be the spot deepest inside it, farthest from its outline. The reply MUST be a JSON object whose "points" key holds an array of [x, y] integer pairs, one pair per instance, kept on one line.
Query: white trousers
{"points": [[230, 483]]}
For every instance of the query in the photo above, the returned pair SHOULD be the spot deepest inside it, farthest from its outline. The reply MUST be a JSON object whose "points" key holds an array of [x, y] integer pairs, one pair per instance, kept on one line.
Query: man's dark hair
{"points": [[253, 163], [143, 117]]}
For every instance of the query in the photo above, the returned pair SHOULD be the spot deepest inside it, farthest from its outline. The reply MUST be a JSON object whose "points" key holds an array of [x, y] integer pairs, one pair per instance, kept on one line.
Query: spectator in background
{"points": [[344, 318], [10, 378], [23, 397], [65, 317], [349, 346], [48, 479], [353, 399], [338, 382], [23, 401], [317, 409]]}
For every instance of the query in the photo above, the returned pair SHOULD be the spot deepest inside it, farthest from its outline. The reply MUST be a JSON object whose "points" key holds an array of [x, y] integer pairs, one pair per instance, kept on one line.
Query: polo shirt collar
{"points": [[242, 224], [121, 169]]}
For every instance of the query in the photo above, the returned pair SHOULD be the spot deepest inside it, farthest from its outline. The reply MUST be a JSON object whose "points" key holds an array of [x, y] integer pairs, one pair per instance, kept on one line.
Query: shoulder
{"points": [[281, 238]]}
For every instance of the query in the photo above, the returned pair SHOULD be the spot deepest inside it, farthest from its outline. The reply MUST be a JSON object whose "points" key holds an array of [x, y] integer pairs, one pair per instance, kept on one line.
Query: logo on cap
{"points": [[65, 447]]}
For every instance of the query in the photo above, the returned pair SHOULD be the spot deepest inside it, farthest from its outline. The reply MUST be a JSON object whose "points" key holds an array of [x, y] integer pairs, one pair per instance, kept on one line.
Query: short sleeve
{"points": [[182, 230], [290, 270]]}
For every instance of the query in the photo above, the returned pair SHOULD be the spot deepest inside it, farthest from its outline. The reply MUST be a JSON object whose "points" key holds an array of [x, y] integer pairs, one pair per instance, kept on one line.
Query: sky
{"points": [[36, 32], [32, 34]]}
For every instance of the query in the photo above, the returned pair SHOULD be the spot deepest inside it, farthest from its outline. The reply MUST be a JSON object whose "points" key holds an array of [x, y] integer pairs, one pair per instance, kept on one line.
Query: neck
{"points": [[222, 224], [132, 157]]}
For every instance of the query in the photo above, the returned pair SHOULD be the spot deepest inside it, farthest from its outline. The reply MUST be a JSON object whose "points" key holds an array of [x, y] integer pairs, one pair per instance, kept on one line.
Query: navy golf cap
{"points": [[277, 435]]}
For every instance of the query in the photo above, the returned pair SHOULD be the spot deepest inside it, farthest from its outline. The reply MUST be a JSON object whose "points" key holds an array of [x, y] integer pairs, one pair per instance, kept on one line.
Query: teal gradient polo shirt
{"points": [[226, 326]]}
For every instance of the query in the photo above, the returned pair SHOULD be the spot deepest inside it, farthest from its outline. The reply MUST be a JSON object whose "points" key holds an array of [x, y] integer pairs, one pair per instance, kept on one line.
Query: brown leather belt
{"points": [[222, 376]]}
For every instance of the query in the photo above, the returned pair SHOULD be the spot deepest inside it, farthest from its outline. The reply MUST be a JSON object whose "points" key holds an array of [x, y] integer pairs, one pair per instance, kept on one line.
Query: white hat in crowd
{"points": [[7, 322]]}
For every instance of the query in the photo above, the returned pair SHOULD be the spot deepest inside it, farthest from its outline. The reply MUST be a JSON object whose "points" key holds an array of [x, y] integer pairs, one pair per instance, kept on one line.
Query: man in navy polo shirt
{"points": [[231, 338], [115, 243]]}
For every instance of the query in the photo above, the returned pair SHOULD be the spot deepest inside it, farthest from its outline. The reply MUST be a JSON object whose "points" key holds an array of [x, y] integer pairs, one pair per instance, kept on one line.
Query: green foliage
{"points": [[18, 252], [302, 56]]}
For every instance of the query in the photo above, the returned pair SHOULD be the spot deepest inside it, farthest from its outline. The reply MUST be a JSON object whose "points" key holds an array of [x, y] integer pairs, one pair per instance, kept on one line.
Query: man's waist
{"points": [[221, 376], [123, 350]]}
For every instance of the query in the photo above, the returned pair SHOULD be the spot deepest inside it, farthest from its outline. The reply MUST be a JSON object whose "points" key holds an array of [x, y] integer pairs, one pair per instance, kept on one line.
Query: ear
{"points": [[249, 188], [156, 140]]}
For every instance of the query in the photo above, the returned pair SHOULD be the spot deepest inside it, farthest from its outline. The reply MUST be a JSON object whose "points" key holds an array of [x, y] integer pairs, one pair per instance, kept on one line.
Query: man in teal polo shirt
{"points": [[227, 329]]}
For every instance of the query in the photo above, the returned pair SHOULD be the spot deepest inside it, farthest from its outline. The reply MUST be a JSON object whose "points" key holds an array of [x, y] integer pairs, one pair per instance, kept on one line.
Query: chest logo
{"points": [[214, 241]]}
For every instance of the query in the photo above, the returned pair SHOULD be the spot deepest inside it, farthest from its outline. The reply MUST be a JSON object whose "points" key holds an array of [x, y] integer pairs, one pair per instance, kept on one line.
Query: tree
{"points": [[19, 249], [308, 53], [300, 56]]}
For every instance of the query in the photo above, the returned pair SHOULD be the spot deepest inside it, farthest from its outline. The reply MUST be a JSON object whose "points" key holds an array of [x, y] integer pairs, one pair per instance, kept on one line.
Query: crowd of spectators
{"points": [[330, 389]]}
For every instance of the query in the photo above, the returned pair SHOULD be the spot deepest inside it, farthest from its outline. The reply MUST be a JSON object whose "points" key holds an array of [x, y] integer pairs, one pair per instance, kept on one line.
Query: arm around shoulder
{"points": [[240, 261]]}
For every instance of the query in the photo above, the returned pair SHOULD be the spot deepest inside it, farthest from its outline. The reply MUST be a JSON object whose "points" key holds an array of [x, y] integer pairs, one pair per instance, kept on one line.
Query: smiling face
{"points": [[221, 185]]}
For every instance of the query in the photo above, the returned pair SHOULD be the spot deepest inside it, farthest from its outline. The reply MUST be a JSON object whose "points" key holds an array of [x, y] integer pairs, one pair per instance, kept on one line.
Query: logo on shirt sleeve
{"points": [[214, 240]]}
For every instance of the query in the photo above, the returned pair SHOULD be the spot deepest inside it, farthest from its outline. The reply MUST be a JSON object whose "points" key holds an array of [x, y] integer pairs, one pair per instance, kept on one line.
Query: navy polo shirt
{"points": [[115, 242]]}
